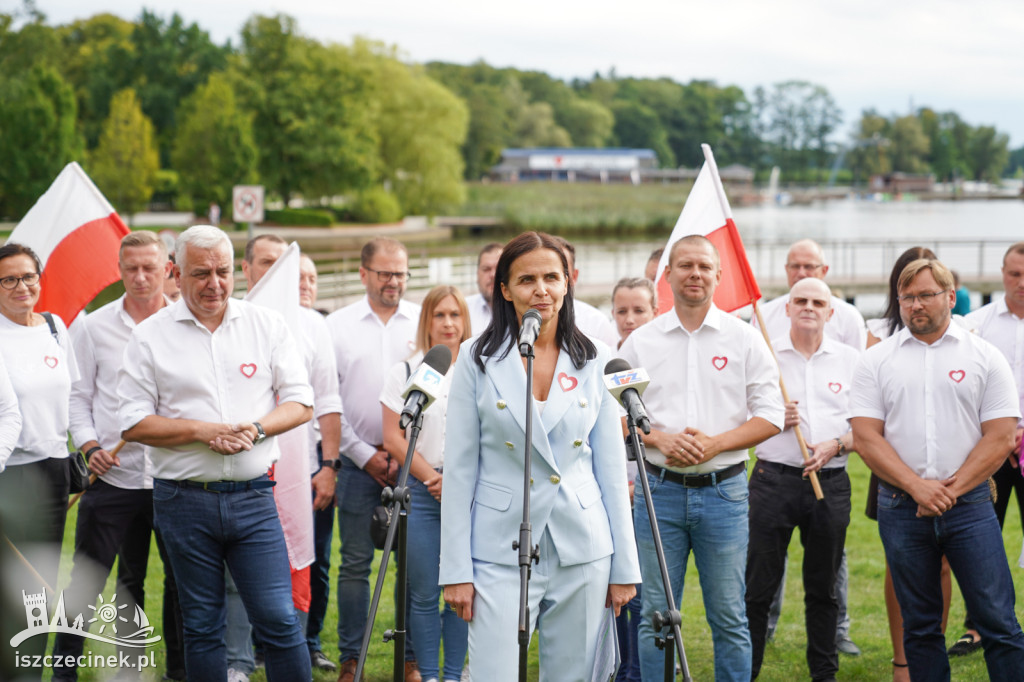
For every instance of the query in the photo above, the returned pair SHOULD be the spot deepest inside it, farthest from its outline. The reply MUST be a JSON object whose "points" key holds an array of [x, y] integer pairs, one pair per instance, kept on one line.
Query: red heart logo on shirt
{"points": [[566, 382], [719, 363], [835, 387], [957, 375], [248, 370], [50, 361]]}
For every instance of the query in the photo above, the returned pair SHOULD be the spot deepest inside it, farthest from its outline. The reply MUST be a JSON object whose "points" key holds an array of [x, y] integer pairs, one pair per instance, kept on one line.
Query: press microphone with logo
{"points": [[626, 384], [425, 383], [529, 330]]}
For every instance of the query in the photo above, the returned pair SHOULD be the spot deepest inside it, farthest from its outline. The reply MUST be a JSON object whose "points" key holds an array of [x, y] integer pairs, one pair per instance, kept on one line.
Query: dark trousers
{"points": [[33, 509], [781, 500], [113, 523], [1008, 480], [320, 571]]}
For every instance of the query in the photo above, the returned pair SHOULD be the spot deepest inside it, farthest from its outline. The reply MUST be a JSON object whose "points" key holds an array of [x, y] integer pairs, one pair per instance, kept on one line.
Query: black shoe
{"points": [[318, 660], [964, 646]]}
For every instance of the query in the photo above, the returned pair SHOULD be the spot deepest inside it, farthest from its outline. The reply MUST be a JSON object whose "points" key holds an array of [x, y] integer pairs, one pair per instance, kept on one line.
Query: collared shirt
{"points": [[479, 313], [713, 379], [1004, 330], [430, 443], [821, 386], [235, 374], [41, 370], [365, 349], [846, 325], [595, 324], [318, 354], [10, 415], [100, 339], [934, 398]]}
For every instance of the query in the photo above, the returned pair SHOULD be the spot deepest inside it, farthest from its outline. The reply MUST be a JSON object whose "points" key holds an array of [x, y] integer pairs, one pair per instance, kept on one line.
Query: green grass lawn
{"points": [[784, 659]]}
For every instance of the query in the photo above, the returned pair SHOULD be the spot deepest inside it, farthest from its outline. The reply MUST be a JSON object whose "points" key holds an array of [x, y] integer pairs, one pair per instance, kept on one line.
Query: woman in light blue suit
{"points": [[579, 501]]}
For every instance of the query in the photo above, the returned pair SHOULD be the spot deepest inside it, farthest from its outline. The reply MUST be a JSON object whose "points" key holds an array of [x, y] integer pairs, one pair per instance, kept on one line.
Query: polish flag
{"points": [[707, 213], [77, 235], [278, 290]]}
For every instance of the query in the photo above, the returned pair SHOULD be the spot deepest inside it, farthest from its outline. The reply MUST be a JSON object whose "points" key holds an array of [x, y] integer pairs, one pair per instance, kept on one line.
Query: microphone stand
{"points": [[527, 550], [669, 619], [398, 502]]}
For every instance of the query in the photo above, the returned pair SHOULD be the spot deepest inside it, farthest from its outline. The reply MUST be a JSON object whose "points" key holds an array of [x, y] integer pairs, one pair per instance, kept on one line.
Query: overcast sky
{"points": [[890, 55]]}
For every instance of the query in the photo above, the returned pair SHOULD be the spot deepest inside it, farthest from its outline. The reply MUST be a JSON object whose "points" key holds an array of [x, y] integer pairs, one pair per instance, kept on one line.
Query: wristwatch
{"points": [[334, 463], [261, 435], [842, 448]]}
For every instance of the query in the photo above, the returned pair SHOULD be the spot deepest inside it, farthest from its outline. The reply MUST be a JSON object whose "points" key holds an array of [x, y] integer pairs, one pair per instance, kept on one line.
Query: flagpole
{"points": [[813, 476]]}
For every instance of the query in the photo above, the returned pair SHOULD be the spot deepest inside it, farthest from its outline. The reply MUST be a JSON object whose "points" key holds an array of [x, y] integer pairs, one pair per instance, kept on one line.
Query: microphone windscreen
{"points": [[439, 358], [532, 312], [616, 365]]}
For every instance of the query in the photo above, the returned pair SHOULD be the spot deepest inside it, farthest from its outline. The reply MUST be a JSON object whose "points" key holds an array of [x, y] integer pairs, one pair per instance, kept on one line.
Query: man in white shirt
{"points": [[715, 394], [318, 354], [370, 336], [115, 516], [817, 371], [807, 259], [479, 304], [589, 319], [934, 411], [207, 422]]}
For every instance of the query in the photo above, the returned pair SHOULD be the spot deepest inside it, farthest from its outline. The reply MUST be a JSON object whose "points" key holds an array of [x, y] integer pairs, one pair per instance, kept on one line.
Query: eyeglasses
{"points": [[384, 276], [926, 298], [797, 267], [12, 282]]}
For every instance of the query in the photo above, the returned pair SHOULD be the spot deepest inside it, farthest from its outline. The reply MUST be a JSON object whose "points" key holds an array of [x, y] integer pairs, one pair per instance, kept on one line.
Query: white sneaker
{"points": [[465, 675], [237, 676]]}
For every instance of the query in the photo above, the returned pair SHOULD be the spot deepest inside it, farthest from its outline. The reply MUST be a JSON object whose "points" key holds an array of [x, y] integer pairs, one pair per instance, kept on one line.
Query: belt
{"points": [[797, 471], [696, 480], [225, 486]]}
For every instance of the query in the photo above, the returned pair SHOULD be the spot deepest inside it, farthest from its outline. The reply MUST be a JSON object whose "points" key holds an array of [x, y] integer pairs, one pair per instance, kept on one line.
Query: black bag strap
{"points": [[53, 327]]}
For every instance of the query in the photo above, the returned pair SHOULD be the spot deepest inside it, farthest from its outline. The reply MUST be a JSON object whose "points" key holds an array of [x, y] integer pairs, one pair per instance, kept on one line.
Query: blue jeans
{"points": [[430, 624], [627, 625], [712, 522], [357, 494], [204, 531], [969, 536]]}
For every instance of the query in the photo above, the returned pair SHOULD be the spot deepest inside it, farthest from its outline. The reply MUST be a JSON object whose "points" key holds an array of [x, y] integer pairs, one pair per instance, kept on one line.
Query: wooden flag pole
{"points": [[813, 476], [93, 477], [28, 565]]}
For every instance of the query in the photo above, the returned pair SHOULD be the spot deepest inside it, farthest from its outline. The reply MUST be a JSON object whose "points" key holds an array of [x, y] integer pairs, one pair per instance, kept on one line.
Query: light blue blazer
{"points": [[579, 491]]}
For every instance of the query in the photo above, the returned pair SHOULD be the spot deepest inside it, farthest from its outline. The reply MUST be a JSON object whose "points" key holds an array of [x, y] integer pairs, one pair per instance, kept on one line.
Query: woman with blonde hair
{"points": [[444, 319]]}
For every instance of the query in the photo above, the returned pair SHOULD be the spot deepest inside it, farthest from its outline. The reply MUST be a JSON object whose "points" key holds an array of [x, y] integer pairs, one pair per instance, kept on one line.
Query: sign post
{"points": [[247, 205]]}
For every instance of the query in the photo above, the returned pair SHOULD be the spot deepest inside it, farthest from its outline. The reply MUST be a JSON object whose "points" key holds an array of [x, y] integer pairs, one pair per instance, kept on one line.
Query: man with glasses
{"points": [[935, 410], [370, 336], [806, 259]]}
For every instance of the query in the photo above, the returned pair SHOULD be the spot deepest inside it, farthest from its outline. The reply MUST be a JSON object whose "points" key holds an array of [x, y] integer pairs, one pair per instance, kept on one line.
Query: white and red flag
{"points": [[706, 212], [278, 290], [77, 235]]}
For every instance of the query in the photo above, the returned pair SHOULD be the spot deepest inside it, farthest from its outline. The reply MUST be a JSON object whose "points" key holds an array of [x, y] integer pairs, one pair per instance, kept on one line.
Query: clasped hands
{"points": [[230, 439], [686, 448], [933, 497]]}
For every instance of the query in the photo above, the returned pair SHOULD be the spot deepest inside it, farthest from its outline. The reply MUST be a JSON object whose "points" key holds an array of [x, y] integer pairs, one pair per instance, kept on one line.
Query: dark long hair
{"points": [[502, 332], [892, 305]]}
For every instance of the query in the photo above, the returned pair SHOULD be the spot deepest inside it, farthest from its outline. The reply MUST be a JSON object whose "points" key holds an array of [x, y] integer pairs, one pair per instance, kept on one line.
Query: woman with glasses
{"points": [[34, 481]]}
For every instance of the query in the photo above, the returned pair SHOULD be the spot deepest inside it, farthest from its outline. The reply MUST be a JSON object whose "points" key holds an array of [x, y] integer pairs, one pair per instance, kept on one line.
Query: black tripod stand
{"points": [[668, 620], [397, 500]]}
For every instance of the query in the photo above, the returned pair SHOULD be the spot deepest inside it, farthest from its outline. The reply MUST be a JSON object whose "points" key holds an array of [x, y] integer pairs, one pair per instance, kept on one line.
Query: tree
{"points": [[988, 153], [421, 126], [909, 145], [125, 162], [588, 123], [870, 154], [314, 114], [38, 136], [533, 123], [639, 127], [800, 118], [214, 147]]}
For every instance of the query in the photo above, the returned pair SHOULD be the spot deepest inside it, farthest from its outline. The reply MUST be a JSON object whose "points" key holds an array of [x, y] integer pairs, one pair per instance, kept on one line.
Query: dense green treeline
{"points": [[156, 111]]}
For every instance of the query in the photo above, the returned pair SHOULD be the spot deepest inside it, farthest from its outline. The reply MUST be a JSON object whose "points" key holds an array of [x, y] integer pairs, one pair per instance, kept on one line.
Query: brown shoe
{"points": [[412, 672], [348, 670]]}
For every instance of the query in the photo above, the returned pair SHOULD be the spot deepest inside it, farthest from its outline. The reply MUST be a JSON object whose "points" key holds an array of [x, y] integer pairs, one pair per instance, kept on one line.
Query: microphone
{"points": [[425, 383], [626, 384], [528, 331]]}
